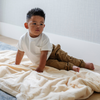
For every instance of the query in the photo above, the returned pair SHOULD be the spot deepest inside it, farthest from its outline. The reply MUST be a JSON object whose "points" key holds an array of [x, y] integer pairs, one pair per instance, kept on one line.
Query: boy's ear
{"points": [[26, 25], [44, 25]]}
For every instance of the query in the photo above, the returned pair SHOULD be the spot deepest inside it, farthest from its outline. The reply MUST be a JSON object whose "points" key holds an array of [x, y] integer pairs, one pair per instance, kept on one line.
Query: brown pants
{"points": [[61, 60]]}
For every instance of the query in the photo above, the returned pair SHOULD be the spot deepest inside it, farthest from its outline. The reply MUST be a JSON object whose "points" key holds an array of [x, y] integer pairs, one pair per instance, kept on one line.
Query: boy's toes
{"points": [[89, 66], [75, 68], [92, 67]]}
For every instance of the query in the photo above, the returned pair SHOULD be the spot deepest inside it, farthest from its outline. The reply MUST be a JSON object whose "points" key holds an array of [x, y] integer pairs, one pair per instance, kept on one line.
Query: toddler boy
{"points": [[40, 51]]}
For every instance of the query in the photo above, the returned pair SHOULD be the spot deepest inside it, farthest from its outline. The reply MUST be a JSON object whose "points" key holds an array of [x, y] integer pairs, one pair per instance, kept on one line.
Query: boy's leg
{"points": [[59, 65], [62, 56]]}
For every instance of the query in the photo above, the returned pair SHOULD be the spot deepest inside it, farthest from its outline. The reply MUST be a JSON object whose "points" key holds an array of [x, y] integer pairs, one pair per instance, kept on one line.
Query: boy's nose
{"points": [[38, 25]]}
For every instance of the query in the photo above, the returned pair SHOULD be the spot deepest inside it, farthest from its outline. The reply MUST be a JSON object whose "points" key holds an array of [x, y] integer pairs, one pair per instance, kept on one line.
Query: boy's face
{"points": [[35, 25]]}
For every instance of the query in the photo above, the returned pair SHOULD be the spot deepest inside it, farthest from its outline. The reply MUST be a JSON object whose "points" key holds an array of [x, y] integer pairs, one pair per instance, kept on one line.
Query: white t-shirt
{"points": [[33, 46]]}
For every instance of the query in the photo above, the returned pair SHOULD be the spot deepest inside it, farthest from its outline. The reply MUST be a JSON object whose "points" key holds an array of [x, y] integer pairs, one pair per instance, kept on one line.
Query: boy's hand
{"points": [[43, 58], [39, 69]]}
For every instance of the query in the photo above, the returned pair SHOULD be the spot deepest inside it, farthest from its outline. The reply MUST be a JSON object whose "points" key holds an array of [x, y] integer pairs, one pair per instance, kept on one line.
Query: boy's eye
{"points": [[34, 23], [41, 24]]}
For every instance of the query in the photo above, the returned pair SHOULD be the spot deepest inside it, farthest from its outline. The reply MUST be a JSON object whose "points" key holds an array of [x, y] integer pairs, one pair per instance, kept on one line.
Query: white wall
{"points": [[74, 18]]}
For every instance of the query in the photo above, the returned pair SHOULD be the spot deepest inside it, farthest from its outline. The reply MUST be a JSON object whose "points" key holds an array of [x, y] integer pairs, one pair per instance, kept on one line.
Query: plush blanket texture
{"points": [[26, 84]]}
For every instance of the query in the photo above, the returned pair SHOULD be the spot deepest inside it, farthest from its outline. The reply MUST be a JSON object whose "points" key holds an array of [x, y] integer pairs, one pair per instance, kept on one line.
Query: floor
{"points": [[8, 40], [13, 42]]}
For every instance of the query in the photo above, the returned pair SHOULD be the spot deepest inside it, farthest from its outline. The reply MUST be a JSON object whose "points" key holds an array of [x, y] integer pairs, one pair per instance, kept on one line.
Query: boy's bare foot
{"points": [[89, 66], [76, 68]]}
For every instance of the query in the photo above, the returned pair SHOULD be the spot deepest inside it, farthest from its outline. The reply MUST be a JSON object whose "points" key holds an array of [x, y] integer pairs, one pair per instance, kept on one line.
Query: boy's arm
{"points": [[19, 57], [43, 58]]}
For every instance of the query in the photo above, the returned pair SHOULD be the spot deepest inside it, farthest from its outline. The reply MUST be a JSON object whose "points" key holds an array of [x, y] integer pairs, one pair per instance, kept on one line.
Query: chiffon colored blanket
{"points": [[24, 83]]}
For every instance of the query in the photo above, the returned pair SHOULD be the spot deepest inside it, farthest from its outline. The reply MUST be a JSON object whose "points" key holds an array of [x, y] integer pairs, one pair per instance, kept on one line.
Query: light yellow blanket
{"points": [[26, 84]]}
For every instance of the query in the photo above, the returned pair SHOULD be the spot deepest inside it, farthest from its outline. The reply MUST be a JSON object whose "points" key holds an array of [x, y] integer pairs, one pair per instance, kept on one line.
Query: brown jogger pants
{"points": [[61, 60]]}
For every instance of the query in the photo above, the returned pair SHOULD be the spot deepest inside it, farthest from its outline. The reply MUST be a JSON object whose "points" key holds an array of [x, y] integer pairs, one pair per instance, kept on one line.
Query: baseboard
{"points": [[12, 31], [88, 51]]}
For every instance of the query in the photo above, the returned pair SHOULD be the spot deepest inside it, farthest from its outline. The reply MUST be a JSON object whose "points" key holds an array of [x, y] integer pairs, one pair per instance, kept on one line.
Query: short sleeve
{"points": [[20, 44], [46, 45]]}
